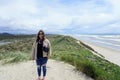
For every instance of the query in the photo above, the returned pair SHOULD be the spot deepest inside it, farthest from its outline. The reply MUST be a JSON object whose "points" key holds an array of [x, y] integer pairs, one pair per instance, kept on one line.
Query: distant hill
{"points": [[14, 36], [5, 34]]}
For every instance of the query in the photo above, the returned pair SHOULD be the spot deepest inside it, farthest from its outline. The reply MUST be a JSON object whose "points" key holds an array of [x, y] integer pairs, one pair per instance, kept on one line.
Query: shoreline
{"points": [[108, 53]]}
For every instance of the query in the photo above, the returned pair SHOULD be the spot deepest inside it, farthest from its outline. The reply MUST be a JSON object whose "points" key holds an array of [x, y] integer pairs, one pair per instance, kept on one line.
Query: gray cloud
{"points": [[62, 16]]}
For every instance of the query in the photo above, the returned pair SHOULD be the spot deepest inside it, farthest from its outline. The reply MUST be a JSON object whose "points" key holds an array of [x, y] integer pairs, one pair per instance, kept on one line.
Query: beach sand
{"points": [[109, 54]]}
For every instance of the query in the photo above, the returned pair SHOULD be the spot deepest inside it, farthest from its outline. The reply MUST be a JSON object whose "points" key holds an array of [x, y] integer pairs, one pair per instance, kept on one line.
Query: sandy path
{"points": [[56, 70]]}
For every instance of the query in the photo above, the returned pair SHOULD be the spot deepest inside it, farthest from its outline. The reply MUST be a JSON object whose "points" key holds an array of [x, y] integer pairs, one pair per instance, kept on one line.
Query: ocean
{"points": [[109, 41]]}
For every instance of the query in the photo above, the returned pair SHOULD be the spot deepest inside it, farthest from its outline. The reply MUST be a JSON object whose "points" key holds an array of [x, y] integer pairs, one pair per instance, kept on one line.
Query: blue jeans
{"points": [[41, 63]]}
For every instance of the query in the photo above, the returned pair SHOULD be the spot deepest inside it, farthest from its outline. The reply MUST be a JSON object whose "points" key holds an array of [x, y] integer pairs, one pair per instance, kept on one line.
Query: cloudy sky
{"points": [[60, 16]]}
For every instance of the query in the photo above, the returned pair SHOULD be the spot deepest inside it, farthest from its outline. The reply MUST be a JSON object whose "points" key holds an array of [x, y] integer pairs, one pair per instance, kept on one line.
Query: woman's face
{"points": [[41, 35]]}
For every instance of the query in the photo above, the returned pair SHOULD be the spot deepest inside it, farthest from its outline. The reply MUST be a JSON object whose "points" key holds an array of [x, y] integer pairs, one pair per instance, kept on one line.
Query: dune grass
{"points": [[16, 51], [67, 49], [14, 57]]}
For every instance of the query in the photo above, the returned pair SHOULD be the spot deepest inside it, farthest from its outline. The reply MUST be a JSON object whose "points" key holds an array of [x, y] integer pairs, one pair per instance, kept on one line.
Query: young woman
{"points": [[41, 51]]}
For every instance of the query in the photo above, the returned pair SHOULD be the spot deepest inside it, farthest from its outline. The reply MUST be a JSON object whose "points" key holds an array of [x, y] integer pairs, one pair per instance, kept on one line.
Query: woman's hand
{"points": [[33, 58], [48, 56]]}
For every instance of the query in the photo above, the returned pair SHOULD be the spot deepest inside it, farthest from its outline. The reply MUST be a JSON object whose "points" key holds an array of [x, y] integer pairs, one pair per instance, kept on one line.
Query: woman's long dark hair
{"points": [[37, 36]]}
